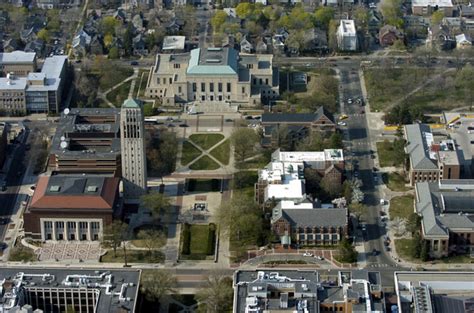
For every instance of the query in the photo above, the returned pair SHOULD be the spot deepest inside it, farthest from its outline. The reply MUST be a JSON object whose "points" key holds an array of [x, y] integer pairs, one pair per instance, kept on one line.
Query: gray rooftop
{"points": [[444, 208], [118, 289], [53, 66], [17, 57], [90, 185], [213, 61], [316, 217], [296, 117], [417, 146], [81, 129]]}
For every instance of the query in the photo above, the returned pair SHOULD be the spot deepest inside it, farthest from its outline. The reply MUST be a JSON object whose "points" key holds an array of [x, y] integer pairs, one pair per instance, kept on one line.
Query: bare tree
{"points": [[158, 284], [152, 239], [217, 293]]}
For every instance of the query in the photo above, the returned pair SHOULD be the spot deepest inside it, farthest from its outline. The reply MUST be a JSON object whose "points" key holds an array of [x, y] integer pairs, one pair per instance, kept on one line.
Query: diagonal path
{"points": [[206, 152]]}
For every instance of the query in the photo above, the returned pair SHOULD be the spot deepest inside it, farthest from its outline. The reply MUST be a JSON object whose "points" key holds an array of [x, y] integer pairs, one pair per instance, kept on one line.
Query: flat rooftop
{"points": [[88, 133], [432, 3], [17, 57], [174, 43], [117, 289], [348, 27], [308, 156]]}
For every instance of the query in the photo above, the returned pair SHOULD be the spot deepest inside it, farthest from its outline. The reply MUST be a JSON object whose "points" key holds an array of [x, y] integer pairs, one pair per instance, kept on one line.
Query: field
{"points": [[222, 152], [197, 241], [120, 94], [395, 181], [204, 163], [206, 141], [401, 207], [189, 153]]}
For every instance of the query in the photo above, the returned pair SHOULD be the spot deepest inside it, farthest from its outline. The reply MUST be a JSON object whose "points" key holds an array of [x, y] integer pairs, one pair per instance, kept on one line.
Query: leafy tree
{"points": [[361, 18], [416, 252], [336, 141], [44, 35], [281, 138], [115, 234], [158, 203], [347, 253], [313, 183], [161, 152], [392, 13], [157, 284], [244, 10], [358, 209], [128, 40], [437, 17], [413, 223], [216, 293], [108, 25], [332, 38], [425, 250], [113, 53], [108, 39], [54, 21], [244, 141], [152, 239], [218, 20], [323, 15]]}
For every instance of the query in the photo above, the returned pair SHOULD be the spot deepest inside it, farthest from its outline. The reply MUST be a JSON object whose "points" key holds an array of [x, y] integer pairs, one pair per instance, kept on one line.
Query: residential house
{"points": [[72, 208], [261, 47], [467, 10], [447, 215], [216, 75], [137, 22], [37, 46], [174, 26], [81, 43], [246, 46], [28, 34], [375, 21], [298, 124], [463, 41], [346, 36], [430, 161], [454, 24], [283, 178], [120, 15], [315, 40], [174, 44], [440, 37], [388, 34], [309, 223], [11, 44], [428, 7], [96, 45], [139, 45]]}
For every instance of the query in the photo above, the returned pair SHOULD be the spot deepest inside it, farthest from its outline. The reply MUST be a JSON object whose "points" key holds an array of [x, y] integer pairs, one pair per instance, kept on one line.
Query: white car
{"points": [[307, 254], [320, 258], [349, 101], [342, 124]]}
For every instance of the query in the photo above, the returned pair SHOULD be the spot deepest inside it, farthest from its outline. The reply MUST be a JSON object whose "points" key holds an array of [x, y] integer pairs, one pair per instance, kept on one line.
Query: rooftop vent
{"points": [[55, 188], [214, 49]]}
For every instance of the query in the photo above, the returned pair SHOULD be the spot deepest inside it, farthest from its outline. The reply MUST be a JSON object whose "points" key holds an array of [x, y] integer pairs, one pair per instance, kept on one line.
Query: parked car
{"points": [[307, 254]]}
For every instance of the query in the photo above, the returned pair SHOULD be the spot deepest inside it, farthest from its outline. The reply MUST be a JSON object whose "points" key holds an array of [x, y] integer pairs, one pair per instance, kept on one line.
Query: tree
{"points": [[108, 39], [108, 25], [156, 285], [425, 250], [358, 209], [216, 293], [113, 53], [361, 18], [149, 109], [161, 151], [417, 246], [244, 141], [152, 239], [114, 234], [335, 141], [218, 20], [437, 17], [413, 223], [43, 34], [244, 10], [323, 15], [128, 40], [392, 13], [158, 203], [281, 138], [331, 186], [347, 253], [332, 38]]}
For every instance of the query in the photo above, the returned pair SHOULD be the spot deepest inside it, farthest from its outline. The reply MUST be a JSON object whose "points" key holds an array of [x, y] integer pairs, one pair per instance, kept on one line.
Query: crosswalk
{"points": [[377, 265]]}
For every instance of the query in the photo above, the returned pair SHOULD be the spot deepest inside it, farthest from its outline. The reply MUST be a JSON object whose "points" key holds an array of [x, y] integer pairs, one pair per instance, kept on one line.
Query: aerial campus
{"points": [[226, 156]]}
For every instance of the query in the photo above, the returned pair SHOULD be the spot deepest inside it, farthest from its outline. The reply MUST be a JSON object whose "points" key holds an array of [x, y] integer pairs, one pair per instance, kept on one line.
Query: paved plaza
{"points": [[69, 251]]}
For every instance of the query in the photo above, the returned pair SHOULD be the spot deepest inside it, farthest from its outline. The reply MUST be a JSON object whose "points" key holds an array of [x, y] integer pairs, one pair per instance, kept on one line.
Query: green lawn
{"points": [[206, 141], [386, 153], [204, 163], [189, 153], [120, 94], [255, 163], [114, 75], [222, 152], [197, 241], [457, 259], [133, 256], [395, 181], [404, 247], [401, 206]]}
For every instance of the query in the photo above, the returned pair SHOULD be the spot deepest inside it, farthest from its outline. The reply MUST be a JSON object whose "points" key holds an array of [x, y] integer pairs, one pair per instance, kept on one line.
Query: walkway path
{"points": [[103, 94]]}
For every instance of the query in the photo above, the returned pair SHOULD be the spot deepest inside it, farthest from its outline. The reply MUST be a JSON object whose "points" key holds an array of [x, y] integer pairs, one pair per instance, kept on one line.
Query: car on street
{"points": [[4, 221], [343, 117], [229, 120], [4, 186], [374, 252], [349, 101], [307, 254], [171, 125], [134, 63], [183, 125], [342, 124], [320, 258]]}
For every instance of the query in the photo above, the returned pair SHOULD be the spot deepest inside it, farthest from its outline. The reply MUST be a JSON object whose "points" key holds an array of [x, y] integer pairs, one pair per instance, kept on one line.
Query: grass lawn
{"points": [[404, 247], [133, 256], [222, 152], [108, 80], [255, 163], [141, 82], [457, 259], [189, 153], [120, 94], [395, 181], [401, 206], [22, 254], [199, 239], [204, 163], [206, 141], [386, 152]]}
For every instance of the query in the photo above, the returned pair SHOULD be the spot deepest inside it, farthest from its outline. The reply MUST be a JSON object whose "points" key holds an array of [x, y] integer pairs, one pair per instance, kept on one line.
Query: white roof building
{"points": [[173, 43], [347, 36]]}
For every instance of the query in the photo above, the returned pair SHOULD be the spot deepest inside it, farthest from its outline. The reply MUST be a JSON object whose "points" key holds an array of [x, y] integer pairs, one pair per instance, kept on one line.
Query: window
{"points": [[254, 81], [203, 87], [211, 87], [260, 81], [228, 87], [203, 98], [249, 66], [176, 65], [266, 81], [179, 89], [243, 89], [220, 98], [219, 87], [194, 87], [211, 98], [171, 80], [158, 80]]}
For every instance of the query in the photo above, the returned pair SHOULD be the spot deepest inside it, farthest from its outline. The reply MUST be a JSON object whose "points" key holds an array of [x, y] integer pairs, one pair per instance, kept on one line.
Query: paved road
{"points": [[360, 148]]}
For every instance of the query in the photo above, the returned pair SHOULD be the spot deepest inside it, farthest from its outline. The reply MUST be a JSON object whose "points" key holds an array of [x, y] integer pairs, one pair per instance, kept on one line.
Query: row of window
{"points": [[211, 87]]}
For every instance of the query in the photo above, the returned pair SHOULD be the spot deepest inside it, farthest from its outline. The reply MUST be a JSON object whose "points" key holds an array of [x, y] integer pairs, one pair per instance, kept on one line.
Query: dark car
{"points": [[374, 252], [4, 221], [134, 63], [229, 120], [4, 187], [183, 125]]}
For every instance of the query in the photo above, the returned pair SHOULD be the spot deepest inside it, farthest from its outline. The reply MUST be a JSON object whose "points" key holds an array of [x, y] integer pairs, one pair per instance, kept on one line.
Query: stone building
{"points": [[213, 75]]}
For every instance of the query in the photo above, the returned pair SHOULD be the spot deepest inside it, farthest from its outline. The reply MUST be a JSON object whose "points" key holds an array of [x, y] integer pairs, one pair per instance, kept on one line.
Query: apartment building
{"points": [[283, 177], [18, 63], [346, 36], [36, 92], [213, 75], [428, 7], [430, 161], [87, 141], [72, 207], [307, 223], [447, 215]]}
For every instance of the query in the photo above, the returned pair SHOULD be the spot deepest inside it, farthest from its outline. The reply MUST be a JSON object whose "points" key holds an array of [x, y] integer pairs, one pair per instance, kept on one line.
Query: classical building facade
{"points": [[216, 75], [71, 208], [132, 139]]}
